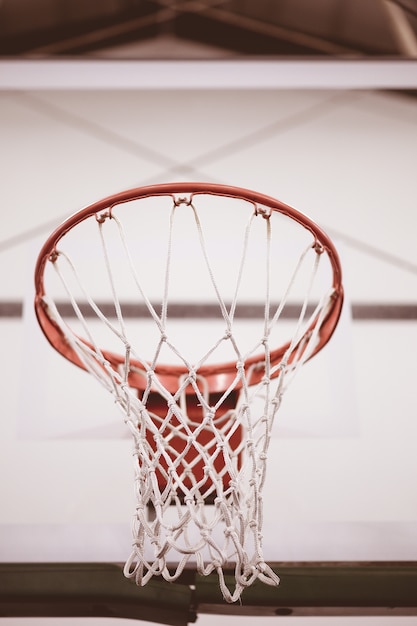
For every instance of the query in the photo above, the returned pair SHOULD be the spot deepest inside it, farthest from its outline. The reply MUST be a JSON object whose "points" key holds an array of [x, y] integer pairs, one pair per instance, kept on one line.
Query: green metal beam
{"points": [[349, 588], [89, 590], [101, 590]]}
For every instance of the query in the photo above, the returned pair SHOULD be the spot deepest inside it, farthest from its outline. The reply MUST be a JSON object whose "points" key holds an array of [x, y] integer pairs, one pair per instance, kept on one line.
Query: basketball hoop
{"points": [[199, 402]]}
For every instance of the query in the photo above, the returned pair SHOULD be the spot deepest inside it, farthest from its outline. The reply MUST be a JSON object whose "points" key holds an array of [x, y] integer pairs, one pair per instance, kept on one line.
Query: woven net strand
{"points": [[199, 458]]}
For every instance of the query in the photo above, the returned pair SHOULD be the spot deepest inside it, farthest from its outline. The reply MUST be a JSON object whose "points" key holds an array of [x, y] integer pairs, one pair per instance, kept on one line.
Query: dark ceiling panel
{"points": [[273, 28], [28, 26]]}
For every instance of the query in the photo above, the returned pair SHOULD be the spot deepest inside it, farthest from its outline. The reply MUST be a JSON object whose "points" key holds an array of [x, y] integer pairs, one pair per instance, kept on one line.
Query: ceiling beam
{"points": [[403, 32], [220, 74]]}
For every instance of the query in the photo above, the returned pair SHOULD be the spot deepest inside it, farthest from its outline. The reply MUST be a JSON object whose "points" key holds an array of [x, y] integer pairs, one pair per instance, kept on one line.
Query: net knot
{"points": [[124, 386], [205, 533], [263, 456], [229, 530]]}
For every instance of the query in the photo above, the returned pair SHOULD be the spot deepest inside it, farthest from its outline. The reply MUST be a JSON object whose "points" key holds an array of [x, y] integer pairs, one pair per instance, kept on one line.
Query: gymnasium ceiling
{"points": [[208, 29]]}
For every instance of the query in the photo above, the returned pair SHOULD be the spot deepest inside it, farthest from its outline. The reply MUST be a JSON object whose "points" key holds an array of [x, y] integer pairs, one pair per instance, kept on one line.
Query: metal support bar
{"points": [[360, 311]]}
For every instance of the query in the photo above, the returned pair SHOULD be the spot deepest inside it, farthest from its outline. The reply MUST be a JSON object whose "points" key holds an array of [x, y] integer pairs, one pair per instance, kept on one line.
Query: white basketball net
{"points": [[199, 459]]}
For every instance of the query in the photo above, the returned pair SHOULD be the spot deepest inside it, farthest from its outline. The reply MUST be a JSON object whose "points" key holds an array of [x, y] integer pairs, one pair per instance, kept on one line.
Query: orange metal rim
{"points": [[219, 376]]}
